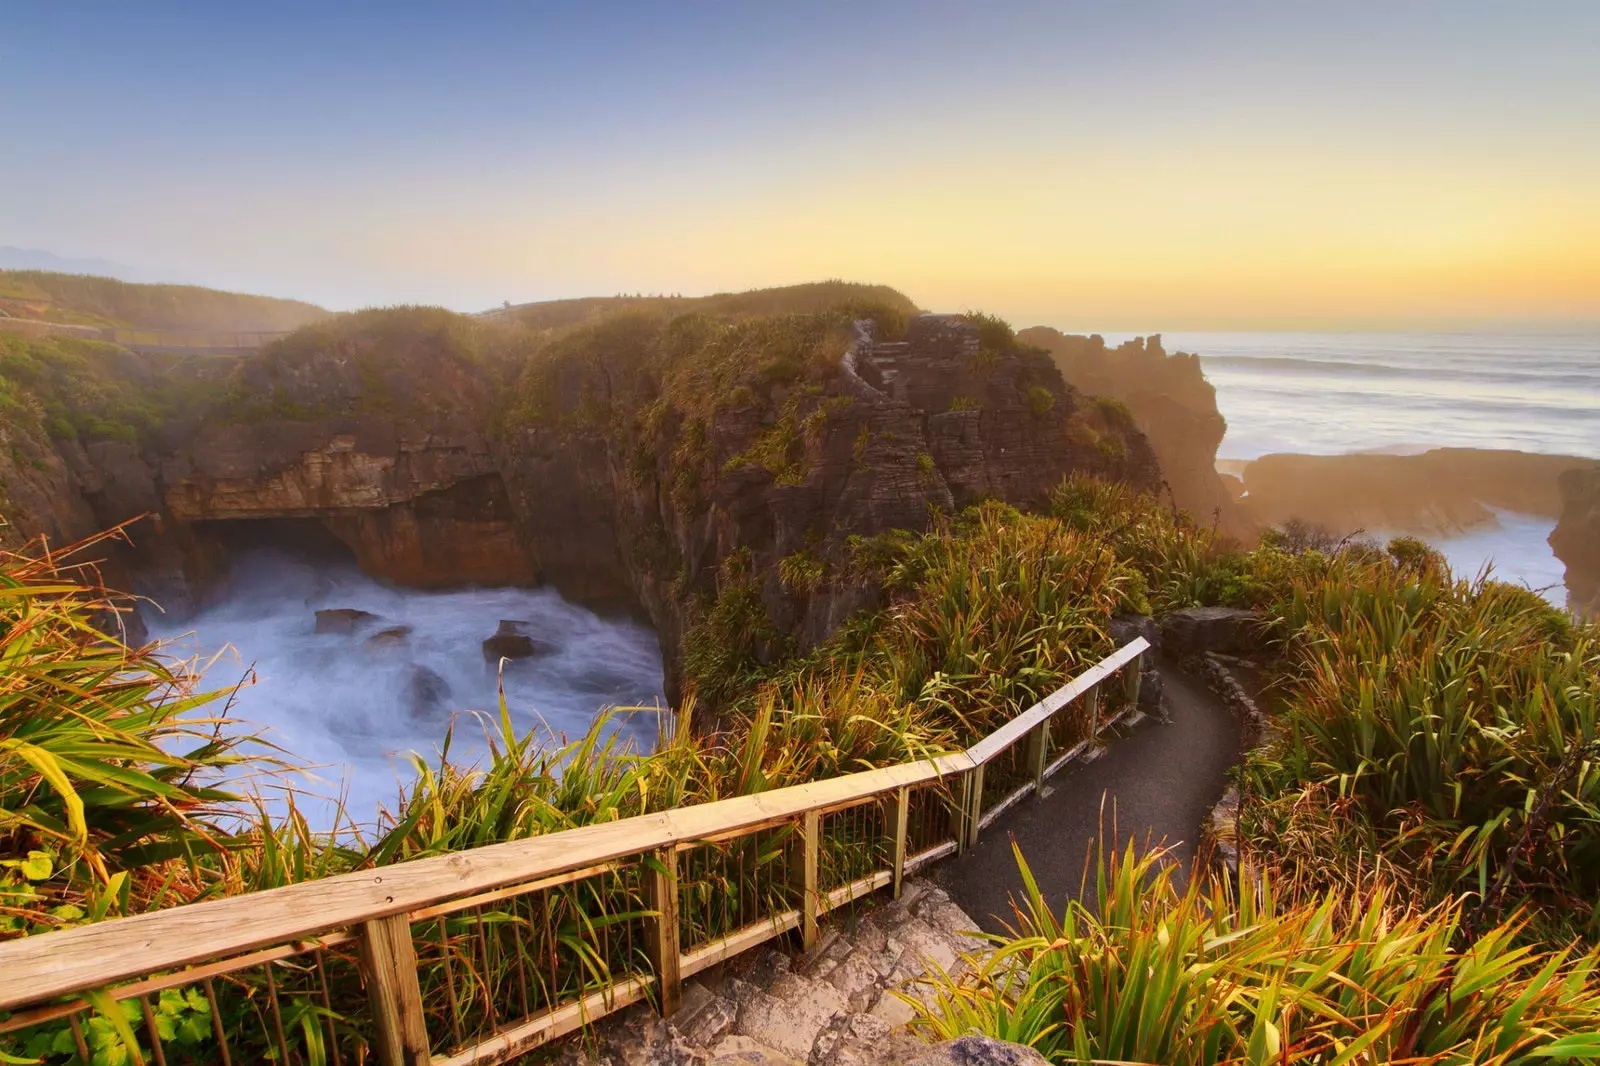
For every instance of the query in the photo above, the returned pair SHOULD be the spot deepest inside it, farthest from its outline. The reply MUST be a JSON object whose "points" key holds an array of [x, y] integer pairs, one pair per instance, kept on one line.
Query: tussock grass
{"points": [[1194, 974]]}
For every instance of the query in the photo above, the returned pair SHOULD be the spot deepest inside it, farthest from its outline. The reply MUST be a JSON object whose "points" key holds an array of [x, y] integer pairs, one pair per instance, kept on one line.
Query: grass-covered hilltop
{"points": [[865, 535]]}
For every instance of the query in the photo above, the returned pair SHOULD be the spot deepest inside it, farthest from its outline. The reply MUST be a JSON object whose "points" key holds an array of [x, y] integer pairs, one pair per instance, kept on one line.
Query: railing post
{"points": [[393, 993], [902, 819], [959, 810], [1093, 700], [1038, 752], [806, 877], [661, 896], [975, 814], [1132, 680]]}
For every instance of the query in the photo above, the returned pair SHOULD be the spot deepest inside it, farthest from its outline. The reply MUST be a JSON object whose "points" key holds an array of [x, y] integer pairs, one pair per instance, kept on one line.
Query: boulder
{"points": [[1126, 627], [1197, 630], [978, 1051], [513, 641], [389, 638], [426, 692], [344, 620]]}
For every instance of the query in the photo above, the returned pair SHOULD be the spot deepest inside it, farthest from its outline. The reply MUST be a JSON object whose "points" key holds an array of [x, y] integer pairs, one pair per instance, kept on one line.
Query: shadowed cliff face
{"points": [[644, 460], [1171, 402], [1576, 538]]}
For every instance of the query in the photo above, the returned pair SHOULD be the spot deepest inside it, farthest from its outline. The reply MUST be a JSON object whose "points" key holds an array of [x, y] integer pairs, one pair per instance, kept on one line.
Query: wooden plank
{"points": [[1017, 728], [1038, 749], [38, 968], [931, 855], [519, 1039], [860, 888], [1132, 682], [661, 886], [902, 817], [974, 820], [735, 943], [810, 842], [400, 1029]]}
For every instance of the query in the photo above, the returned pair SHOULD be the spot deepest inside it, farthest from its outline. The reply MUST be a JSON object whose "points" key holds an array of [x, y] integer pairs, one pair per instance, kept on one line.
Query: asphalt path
{"points": [[1155, 785]]}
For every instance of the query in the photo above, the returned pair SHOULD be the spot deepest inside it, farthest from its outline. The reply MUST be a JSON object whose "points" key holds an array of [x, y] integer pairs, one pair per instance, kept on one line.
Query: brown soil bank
{"points": [[1437, 493]]}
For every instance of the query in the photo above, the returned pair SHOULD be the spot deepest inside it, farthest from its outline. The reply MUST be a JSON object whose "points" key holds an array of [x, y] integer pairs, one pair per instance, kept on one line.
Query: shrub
{"points": [[1040, 400], [1194, 975]]}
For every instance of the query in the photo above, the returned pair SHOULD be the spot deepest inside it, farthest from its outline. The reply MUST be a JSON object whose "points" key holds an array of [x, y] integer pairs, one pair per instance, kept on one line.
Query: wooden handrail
{"points": [[39, 968]]}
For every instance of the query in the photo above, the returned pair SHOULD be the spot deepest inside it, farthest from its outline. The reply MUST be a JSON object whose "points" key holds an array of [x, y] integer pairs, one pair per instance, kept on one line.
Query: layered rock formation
{"points": [[1576, 538], [1171, 402], [618, 474], [1436, 493]]}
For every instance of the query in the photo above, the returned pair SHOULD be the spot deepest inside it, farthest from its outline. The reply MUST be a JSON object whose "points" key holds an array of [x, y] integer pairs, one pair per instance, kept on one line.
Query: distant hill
{"points": [[101, 301], [12, 258], [810, 297]]}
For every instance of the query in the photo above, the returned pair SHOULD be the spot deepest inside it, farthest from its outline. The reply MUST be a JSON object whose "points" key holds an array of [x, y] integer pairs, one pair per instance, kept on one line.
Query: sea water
{"points": [[353, 711], [1333, 393]]}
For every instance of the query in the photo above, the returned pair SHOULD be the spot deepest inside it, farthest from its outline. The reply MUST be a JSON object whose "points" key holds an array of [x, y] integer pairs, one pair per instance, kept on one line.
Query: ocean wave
{"points": [[1286, 365]]}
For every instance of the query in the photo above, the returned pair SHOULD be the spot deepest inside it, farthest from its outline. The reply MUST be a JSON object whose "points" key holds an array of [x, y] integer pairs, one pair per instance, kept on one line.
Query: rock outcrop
{"points": [[837, 1005], [1576, 538], [1436, 493], [616, 477], [1171, 402]]}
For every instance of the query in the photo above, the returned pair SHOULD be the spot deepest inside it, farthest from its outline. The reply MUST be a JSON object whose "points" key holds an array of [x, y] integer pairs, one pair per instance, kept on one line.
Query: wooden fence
{"points": [[479, 956]]}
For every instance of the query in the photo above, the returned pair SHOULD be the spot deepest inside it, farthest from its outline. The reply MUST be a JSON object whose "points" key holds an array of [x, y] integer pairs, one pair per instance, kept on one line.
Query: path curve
{"points": [[1158, 783]]}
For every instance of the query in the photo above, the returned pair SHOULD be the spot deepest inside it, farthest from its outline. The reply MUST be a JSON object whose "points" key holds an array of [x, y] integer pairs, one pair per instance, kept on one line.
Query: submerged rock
{"points": [[343, 620], [426, 692], [512, 641], [388, 638]]}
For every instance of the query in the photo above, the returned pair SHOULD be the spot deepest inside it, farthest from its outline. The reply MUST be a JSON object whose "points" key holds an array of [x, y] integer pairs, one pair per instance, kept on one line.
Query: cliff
{"points": [[1576, 538], [1436, 493], [1172, 403], [714, 472]]}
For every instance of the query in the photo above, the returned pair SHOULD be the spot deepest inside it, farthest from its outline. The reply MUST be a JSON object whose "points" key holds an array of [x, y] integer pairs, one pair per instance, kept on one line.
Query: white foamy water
{"points": [[1333, 393], [357, 709]]}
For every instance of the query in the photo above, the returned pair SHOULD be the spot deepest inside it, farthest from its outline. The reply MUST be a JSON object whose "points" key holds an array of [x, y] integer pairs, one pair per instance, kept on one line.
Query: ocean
{"points": [[1332, 393]]}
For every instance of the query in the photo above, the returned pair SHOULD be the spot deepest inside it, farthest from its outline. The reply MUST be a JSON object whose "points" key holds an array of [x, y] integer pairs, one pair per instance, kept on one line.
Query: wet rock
{"points": [[389, 638], [978, 1051], [426, 692], [513, 641], [344, 620], [1125, 627], [1202, 629]]}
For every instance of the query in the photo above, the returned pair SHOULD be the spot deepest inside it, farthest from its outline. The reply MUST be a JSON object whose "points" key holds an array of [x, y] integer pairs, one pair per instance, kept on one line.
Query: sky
{"points": [[1120, 166]]}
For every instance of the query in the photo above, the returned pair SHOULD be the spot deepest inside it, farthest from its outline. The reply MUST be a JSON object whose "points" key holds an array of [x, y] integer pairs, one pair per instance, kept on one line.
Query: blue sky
{"points": [[1139, 164]]}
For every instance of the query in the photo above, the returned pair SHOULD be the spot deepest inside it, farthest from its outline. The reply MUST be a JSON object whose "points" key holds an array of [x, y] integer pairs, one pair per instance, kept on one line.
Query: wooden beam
{"points": [[1038, 751], [1017, 728], [1132, 682], [810, 843], [400, 1029], [974, 820], [902, 821], [661, 887], [38, 968]]}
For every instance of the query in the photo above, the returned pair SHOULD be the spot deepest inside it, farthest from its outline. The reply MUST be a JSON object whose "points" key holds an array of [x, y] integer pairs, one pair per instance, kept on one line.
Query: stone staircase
{"points": [[835, 1005]]}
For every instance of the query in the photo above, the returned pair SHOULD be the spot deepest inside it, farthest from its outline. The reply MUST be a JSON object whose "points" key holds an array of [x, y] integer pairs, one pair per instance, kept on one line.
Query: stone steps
{"points": [[832, 1006]]}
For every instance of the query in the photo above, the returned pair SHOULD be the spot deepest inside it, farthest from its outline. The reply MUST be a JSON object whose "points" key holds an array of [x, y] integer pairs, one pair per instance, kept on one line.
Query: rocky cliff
{"points": [[1436, 493], [695, 468], [1171, 402], [1576, 538]]}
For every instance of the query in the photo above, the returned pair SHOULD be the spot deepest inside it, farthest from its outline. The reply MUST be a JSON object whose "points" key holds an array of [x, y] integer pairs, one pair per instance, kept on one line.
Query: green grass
{"points": [[106, 301], [1194, 974]]}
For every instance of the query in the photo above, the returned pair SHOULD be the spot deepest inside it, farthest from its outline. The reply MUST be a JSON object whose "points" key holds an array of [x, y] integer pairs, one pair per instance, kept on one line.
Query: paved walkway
{"points": [[1156, 784]]}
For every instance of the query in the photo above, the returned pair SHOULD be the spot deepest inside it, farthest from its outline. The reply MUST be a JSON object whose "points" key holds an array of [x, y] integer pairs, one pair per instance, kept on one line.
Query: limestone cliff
{"points": [[1171, 402], [1576, 538], [663, 462], [1439, 492]]}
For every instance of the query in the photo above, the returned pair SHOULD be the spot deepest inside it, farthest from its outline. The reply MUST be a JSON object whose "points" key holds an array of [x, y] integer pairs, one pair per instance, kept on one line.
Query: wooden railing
{"points": [[479, 956]]}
